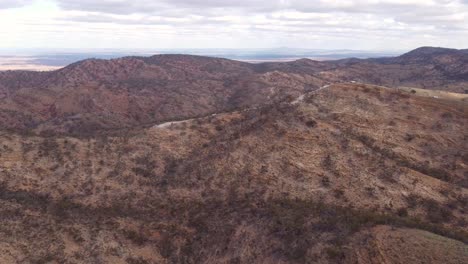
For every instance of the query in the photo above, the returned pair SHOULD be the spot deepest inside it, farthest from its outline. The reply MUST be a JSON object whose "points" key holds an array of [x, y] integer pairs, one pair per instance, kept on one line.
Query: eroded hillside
{"points": [[95, 96], [319, 178]]}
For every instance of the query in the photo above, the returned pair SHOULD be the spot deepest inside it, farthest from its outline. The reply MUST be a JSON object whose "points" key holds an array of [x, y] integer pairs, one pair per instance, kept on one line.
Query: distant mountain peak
{"points": [[427, 50]]}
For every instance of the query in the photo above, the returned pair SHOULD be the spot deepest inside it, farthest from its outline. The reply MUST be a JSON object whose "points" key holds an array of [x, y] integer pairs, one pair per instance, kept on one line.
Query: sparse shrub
{"points": [[366, 140], [325, 181], [48, 147], [447, 115], [445, 191], [235, 260], [311, 123], [338, 193], [389, 172], [344, 143], [135, 237], [402, 212], [26, 147], [462, 201], [171, 166], [142, 172], [437, 213], [413, 200], [76, 235], [335, 253], [437, 126], [166, 247], [370, 191], [327, 162], [63, 208], [409, 137], [136, 260], [145, 166]]}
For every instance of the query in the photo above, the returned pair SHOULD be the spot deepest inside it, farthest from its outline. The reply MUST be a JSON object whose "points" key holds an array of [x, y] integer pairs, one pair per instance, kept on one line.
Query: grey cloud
{"points": [[435, 13], [110, 6], [4, 4], [246, 6], [272, 18], [144, 6], [148, 20]]}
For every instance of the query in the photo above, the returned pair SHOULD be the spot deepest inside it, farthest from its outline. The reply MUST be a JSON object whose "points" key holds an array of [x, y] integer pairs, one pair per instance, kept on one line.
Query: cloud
{"points": [[111, 6], [148, 6], [249, 6], [436, 13], [429, 12], [249, 22], [5, 4]]}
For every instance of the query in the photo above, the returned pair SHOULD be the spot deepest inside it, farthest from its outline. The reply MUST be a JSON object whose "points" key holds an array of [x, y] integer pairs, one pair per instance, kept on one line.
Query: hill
{"points": [[104, 95], [337, 175], [98, 95]]}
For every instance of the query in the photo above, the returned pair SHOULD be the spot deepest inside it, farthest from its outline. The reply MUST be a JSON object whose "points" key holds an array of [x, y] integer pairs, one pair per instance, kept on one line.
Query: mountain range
{"points": [[190, 159]]}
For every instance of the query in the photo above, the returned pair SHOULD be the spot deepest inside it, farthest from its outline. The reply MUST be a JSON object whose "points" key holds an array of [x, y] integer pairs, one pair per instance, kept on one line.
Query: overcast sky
{"points": [[153, 24]]}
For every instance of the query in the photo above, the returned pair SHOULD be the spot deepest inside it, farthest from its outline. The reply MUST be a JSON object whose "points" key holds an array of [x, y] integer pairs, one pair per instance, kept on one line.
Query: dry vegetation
{"points": [[94, 96], [349, 173]]}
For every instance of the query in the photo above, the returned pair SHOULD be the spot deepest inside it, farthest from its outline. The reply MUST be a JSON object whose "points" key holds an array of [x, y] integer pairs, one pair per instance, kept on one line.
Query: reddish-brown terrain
{"points": [[95, 95], [182, 159]]}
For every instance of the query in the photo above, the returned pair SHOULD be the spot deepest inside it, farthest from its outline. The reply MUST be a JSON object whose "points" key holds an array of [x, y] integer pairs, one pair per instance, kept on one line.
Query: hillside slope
{"points": [[320, 178], [96, 95], [104, 95]]}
